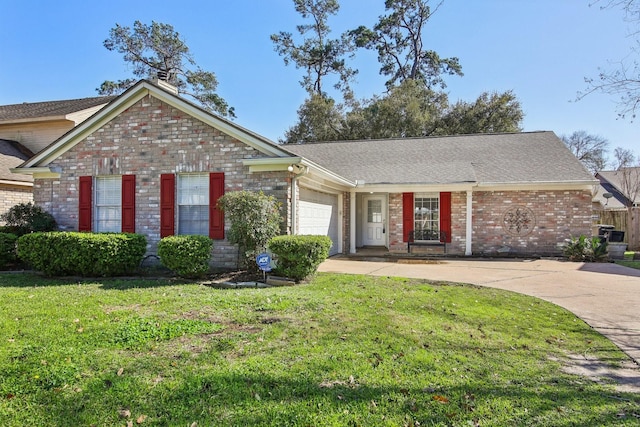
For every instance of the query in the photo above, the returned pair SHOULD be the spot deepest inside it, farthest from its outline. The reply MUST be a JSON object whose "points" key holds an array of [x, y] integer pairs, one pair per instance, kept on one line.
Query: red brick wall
{"points": [[148, 139], [546, 219]]}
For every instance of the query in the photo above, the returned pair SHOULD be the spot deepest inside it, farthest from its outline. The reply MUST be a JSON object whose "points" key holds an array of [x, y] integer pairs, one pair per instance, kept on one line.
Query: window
{"points": [[193, 204], [427, 216], [108, 207]]}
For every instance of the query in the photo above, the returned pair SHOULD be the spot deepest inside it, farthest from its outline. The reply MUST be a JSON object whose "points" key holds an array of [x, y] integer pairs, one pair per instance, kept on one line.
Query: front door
{"points": [[375, 221]]}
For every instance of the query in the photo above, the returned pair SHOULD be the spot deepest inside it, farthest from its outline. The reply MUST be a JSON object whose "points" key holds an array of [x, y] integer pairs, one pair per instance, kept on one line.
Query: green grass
{"points": [[341, 350], [628, 261]]}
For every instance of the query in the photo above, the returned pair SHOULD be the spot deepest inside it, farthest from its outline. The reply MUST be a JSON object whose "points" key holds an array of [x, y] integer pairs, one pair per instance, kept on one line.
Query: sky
{"points": [[540, 49]]}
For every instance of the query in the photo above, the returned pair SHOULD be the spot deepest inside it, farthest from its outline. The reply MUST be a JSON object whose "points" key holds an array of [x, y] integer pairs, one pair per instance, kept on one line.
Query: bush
{"points": [[27, 218], [254, 218], [585, 249], [84, 254], [187, 256], [7, 249], [299, 256]]}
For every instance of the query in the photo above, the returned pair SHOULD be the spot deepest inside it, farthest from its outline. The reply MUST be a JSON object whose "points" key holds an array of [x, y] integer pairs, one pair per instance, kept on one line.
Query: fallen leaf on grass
{"points": [[441, 399], [141, 419], [120, 372], [124, 413]]}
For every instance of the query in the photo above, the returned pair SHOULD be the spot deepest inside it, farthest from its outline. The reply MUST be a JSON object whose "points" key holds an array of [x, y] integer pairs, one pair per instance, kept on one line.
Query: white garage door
{"points": [[318, 214]]}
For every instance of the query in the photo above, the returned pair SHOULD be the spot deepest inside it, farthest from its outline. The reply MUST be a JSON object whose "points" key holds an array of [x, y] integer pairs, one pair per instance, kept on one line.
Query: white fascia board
{"points": [[41, 172], [16, 183], [317, 170], [270, 164], [412, 188]]}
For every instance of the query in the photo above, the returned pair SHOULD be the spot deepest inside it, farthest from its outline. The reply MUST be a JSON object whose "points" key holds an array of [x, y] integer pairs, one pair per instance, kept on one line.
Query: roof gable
{"points": [[130, 97]]}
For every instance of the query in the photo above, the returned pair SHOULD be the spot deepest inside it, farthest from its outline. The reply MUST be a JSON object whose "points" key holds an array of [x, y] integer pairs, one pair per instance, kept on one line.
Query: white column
{"points": [[469, 230], [340, 222], [352, 222]]}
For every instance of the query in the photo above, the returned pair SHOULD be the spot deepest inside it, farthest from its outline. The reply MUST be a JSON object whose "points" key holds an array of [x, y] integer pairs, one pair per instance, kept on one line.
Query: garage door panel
{"points": [[318, 215]]}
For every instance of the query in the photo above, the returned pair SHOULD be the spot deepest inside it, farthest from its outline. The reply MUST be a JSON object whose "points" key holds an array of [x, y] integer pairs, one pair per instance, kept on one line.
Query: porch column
{"points": [[352, 222], [469, 230]]}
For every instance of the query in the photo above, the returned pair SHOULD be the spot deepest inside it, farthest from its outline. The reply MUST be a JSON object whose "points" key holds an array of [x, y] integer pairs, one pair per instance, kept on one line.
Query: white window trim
{"points": [[417, 196], [114, 185], [204, 202]]}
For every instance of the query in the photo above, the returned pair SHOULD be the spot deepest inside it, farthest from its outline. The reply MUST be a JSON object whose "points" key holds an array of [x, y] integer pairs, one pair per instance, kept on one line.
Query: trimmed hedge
{"points": [[187, 256], [7, 249], [84, 254], [299, 256]]}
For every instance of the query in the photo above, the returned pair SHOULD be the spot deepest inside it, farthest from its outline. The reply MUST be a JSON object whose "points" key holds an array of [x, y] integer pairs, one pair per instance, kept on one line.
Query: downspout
{"points": [[294, 193]]}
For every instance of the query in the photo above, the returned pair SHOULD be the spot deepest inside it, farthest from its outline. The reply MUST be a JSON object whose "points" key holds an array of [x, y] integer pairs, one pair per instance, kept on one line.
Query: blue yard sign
{"points": [[264, 261]]}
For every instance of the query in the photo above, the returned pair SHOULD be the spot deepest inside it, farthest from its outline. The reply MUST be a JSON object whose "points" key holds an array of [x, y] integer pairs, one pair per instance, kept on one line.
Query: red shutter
{"points": [[85, 194], [167, 204], [216, 217], [445, 214], [407, 215], [128, 203]]}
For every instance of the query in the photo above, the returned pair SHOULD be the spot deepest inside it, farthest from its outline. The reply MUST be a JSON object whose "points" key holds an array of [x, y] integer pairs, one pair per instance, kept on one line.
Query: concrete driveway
{"points": [[604, 295]]}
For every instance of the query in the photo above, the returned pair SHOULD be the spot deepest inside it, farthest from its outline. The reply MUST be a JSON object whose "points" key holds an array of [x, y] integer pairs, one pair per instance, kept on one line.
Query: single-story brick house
{"points": [[153, 163]]}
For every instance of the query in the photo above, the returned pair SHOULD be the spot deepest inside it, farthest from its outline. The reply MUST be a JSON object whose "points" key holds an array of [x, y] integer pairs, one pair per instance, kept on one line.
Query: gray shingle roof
{"points": [[33, 110], [483, 158], [615, 181], [12, 154]]}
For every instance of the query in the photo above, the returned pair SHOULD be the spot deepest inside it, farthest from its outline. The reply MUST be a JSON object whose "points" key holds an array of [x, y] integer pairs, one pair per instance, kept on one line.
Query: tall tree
{"points": [[319, 119], [591, 150], [317, 53], [622, 81], [398, 37], [490, 113], [158, 50]]}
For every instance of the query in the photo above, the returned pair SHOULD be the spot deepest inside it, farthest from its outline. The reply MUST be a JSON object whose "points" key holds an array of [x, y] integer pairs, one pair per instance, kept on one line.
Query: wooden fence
{"points": [[621, 221]]}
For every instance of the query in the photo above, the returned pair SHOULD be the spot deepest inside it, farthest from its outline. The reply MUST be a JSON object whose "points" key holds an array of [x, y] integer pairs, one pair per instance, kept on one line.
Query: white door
{"points": [[374, 221], [318, 214]]}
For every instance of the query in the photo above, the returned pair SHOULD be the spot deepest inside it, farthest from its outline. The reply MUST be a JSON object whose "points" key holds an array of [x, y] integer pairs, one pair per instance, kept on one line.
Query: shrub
{"points": [[84, 254], [586, 249], [299, 256], [28, 218], [254, 218], [7, 249], [187, 256]]}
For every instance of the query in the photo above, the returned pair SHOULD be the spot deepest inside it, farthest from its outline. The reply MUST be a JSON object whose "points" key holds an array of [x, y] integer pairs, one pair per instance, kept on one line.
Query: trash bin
{"points": [[616, 236], [604, 231]]}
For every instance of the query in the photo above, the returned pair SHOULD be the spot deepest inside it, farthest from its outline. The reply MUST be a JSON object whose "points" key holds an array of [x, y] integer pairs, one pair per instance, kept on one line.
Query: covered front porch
{"points": [[379, 222]]}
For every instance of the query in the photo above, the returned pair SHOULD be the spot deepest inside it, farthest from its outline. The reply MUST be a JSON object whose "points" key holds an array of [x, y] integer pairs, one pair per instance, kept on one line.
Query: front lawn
{"points": [[342, 350]]}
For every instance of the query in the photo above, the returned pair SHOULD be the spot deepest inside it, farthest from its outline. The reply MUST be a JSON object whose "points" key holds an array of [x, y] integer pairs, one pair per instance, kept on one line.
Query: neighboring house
{"points": [[619, 186], [26, 129], [14, 188], [154, 163]]}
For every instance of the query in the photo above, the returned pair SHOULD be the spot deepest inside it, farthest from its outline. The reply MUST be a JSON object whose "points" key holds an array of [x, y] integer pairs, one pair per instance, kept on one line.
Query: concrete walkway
{"points": [[604, 295]]}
